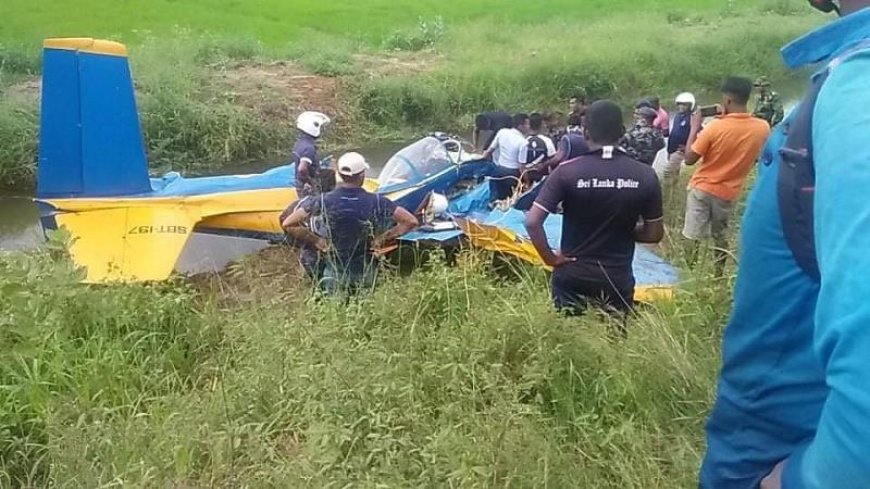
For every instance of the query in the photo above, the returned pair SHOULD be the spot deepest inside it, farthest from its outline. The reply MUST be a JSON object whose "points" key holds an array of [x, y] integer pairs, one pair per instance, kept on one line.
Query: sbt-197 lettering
{"points": [[163, 229]]}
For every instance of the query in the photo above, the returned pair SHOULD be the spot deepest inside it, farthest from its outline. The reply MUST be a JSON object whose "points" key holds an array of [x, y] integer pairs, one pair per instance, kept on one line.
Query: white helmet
{"points": [[438, 204], [686, 98], [312, 123]]}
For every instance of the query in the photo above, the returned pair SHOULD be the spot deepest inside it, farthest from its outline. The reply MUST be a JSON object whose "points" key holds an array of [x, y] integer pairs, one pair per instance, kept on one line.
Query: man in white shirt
{"points": [[509, 151]]}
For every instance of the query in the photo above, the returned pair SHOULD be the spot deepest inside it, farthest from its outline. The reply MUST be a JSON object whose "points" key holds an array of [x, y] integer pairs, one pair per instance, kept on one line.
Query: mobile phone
{"points": [[709, 110]]}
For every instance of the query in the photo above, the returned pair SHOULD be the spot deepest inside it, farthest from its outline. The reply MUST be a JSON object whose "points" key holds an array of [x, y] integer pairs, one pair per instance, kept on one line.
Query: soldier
{"points": [[768, 106], [644, 140]]}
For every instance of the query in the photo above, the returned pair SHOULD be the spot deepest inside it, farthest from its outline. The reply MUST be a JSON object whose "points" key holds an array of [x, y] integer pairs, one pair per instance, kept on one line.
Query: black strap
{"points": [[797, 180]]}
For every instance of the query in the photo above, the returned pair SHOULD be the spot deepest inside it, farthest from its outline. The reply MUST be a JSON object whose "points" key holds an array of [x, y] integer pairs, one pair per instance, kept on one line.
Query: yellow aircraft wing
{"points": [[128, 243], [140, 239], [494, 238]]}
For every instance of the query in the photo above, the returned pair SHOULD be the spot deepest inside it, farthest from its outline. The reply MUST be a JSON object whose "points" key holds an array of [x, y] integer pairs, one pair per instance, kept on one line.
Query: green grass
{"points": [[453, 61], [279, 21], [621, 58], [447, 378]]}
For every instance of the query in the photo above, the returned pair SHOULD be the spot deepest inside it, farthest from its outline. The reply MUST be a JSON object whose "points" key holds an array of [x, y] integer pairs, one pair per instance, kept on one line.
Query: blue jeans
{"points": [[503, 182], [338, 279]]}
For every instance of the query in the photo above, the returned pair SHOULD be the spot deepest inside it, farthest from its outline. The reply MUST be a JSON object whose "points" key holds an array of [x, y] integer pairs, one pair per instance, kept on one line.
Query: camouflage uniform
{"points": [[643, 142], [768, 106]]}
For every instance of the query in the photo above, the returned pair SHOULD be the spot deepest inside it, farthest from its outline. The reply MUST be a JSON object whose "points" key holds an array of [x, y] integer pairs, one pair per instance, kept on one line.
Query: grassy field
{"points": [[450, 377], [216, 85], [276, 22]]}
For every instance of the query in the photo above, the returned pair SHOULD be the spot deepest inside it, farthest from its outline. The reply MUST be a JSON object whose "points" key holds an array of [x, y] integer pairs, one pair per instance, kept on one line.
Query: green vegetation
{"points": [[446, 378], [277, 22], [208, 98], [451, 377]]}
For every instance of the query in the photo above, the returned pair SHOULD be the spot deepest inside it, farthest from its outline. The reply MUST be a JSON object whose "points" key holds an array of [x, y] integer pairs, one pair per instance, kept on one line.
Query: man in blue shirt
{"points": [[678, 137], [793, 403], [354, 220], [305, 158]]}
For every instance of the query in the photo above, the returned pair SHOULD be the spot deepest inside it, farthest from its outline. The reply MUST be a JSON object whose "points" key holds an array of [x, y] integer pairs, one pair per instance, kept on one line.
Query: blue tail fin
{"points": [[90, 141]]}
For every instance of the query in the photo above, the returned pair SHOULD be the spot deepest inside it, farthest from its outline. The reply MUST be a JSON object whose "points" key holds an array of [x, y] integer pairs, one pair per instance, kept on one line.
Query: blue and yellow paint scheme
{"points": [[93, 173], [93, 180]]}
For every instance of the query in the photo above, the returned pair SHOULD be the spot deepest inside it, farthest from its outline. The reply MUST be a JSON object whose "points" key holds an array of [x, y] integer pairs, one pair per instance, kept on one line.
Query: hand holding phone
{"points": [[710, 110]]}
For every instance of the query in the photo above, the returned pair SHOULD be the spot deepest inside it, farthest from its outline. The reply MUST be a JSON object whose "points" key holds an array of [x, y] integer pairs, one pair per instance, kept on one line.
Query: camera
{"points": [[709, 110]]}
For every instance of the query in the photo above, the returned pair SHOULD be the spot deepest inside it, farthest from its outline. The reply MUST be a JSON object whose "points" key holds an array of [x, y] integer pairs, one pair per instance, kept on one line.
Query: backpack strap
{"points": [[797, 176], [797, 180]]}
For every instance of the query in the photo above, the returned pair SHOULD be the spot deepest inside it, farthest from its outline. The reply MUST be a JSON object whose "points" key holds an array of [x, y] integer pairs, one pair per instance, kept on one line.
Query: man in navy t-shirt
{"points": [[354, 220], [572, 144], [309, 174], [669, 171], [603, 194], [490, 123]]}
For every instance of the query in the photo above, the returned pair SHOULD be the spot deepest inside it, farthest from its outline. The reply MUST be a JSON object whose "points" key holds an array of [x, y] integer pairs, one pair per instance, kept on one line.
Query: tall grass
{"points": [[18, 132], [189, 121], [279, 21], [497, 66], [447, 378], [74, 356], [194, 120]]}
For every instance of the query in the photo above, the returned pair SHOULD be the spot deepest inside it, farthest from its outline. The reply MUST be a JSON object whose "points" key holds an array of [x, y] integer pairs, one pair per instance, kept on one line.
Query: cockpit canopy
{"points": [[413, 164]]}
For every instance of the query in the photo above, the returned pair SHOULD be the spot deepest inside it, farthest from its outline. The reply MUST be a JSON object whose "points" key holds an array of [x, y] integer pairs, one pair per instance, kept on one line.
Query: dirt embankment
{"points": [[280, 90]]}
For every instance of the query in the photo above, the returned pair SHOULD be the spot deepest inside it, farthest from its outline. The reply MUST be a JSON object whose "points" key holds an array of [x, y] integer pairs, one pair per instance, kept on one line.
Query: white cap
{"points": [[312, 123], [352, 164]]}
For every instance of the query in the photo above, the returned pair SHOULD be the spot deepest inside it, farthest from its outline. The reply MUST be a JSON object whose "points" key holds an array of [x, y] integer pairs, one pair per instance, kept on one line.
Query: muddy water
{"points": [[19, 222], [20, 228]]}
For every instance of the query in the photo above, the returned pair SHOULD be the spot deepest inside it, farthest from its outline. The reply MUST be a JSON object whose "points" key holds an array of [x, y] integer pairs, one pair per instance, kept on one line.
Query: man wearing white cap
{"points": [[353, 218]]}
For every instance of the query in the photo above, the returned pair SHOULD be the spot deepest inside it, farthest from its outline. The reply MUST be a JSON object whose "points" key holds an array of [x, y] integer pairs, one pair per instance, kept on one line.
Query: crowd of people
{"points": [[792, 405], [587, 166]]}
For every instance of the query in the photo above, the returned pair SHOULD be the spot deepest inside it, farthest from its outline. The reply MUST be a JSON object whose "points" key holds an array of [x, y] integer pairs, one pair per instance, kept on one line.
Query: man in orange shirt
{"points": [[729, 147]]}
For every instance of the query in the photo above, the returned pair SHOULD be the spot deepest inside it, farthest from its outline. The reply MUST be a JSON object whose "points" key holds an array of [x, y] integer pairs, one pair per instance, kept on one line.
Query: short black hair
{"points": [[536, 121], [738, 87], [575, 120], [655, 101], [358, 179], [519, 119], [604, 122], [579, 96], [644, 102]]}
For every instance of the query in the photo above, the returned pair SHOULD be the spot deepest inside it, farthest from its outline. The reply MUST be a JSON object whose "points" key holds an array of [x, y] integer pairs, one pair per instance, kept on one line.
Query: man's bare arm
{"points": [[691, 156], [650, 231], [294, 226], [303, 172], [405, 222]]}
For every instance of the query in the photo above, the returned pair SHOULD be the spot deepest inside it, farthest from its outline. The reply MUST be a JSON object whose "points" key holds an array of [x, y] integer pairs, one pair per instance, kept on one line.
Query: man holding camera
{"points": [[729, 147]]}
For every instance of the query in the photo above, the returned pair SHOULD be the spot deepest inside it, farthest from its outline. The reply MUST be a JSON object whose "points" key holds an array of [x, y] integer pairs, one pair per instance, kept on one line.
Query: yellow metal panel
{"points": [[141, 239], [502, 240], [493, 238], [652, 293], [263, 222], [126, 244], [88, 45]]}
